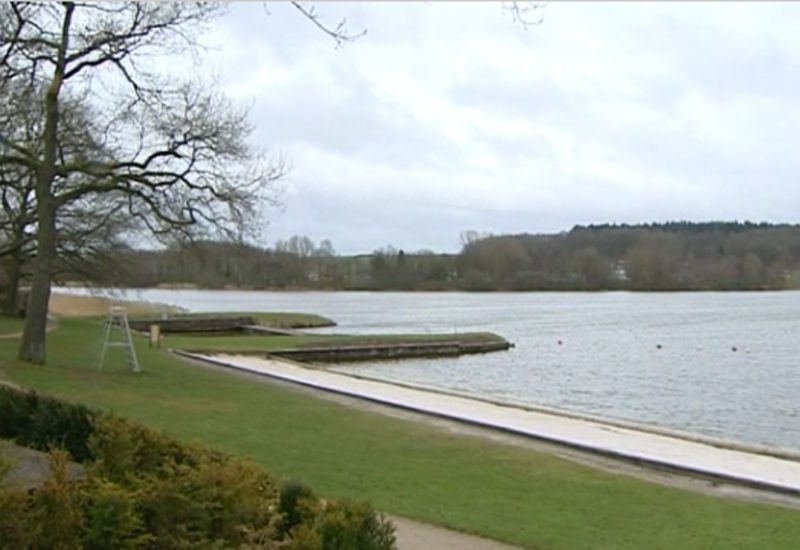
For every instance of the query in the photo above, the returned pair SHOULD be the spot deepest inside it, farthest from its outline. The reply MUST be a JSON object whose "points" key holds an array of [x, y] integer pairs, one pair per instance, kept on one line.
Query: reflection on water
{"points": [[719, 364]]}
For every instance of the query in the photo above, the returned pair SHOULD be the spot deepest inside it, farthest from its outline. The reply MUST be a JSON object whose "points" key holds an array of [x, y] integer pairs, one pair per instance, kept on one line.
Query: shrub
{"points": [[304, 537], [112, 521], [143, 489], [296, 503], [186, 495], [42, 422], [347, 525], [57, 508], [5, 466], [122, 449], [338, 525], [15, 529]]}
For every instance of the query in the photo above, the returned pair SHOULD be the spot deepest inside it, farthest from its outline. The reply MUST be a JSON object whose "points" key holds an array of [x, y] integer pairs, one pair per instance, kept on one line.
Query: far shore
{"points": [[232, 288]]}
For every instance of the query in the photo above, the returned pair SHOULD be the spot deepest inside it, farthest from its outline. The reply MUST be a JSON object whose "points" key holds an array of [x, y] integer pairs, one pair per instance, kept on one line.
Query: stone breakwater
{"points": [[390, 351], [338, 353]]}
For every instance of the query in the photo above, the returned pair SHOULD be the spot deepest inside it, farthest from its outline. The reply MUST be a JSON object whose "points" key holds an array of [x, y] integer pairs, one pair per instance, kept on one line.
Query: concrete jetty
{"points": [[448, 347], [260, 329], [367, 348], [733, 464]]}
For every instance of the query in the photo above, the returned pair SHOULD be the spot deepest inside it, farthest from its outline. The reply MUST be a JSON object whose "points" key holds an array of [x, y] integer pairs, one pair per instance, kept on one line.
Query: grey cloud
{"points": [[357, 226], [519, 148], [539, 98], [709, 58], [384, 172], [352, 121]]}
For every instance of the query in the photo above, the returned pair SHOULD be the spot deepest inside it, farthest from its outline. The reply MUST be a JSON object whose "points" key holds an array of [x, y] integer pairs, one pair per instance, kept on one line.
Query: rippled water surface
{"points": [[719, 364]]}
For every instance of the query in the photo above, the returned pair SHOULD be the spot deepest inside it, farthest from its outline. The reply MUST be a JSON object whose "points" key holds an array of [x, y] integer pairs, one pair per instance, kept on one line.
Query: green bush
{"points": [[14, 525], [293, 505], [42, 422], [122, 449], [185, 495], [143, 489], [313, 524], [57, 508], [347, 525], [112, 521]]}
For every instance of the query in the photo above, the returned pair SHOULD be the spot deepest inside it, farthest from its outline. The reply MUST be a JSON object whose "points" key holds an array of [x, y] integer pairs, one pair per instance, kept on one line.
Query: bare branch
{"points": [[527, 14], [339, 33]]}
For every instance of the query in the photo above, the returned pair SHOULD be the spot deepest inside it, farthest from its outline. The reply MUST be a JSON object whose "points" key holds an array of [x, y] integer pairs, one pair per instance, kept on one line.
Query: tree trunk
{"points": [[32, 346]]}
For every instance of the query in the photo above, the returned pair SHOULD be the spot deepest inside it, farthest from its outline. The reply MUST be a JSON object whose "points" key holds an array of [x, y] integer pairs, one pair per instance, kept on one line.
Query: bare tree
{"points": [[86, 230], [339, 33], [174, 151], [298, 245], [20, 122], [16, 237], [325, 249]]}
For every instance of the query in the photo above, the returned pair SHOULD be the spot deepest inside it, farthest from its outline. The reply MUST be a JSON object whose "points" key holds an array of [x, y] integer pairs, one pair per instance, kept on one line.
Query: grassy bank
{"points": [[406, 468], [10, 325], [276, 319]]}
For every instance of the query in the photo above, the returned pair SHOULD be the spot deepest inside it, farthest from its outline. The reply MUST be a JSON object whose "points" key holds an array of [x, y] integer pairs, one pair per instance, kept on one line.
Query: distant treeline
{"points": [[670, 256]]}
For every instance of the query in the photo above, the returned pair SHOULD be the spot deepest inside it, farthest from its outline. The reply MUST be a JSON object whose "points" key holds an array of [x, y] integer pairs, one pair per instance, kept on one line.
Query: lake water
{"points": [[725, 365]]}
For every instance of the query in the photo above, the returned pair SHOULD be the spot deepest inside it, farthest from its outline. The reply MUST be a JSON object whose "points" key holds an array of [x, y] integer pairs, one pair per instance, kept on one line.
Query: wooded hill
{"points": [[670, 256]]}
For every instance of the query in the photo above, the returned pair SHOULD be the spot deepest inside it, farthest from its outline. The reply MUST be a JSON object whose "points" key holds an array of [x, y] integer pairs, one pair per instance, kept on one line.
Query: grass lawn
{"points": [[403, 467], [10, 325]]}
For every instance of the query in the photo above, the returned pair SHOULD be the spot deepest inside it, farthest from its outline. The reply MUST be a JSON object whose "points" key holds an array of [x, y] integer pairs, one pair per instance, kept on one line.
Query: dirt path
{"points": [[29, 468], [414, 535]]}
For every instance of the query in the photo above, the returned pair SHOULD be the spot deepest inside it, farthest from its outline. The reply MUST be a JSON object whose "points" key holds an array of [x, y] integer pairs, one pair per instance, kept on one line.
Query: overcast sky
{"points": [[449, 117]]}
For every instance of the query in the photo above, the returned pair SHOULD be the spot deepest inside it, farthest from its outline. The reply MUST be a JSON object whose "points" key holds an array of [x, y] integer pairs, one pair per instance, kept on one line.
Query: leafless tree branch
{"points": [[339, 32], [527, 14]]}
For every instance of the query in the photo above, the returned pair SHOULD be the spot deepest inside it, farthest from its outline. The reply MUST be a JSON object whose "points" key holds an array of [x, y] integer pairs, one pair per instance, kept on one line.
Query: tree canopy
{"points": [[104, 131]]}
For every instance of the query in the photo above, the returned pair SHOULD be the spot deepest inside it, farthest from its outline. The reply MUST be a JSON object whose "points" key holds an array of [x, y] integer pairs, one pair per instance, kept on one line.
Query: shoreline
{"points": [[189, 287], [737, 467], [777, 452], [714, 440]]}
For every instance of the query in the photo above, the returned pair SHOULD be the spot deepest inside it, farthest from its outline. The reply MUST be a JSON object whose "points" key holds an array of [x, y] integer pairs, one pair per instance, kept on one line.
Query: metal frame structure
{"points": [[118, 317]]}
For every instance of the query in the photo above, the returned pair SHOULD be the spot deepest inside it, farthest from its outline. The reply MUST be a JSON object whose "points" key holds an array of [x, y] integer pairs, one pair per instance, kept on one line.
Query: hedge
{"points": [[143, 489]]}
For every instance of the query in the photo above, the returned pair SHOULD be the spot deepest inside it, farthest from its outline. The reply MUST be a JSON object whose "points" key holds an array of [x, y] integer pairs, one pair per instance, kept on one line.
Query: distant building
{"points": [[620, 271]]}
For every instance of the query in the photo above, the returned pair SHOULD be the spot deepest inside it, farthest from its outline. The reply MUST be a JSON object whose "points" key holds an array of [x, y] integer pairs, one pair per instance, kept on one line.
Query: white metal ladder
{"points": [[118, 316]]}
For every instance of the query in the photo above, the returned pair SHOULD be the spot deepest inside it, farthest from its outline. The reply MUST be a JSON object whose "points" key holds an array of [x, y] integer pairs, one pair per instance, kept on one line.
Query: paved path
{"points": [[750, 468], [413, 535], [30, 468]]}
